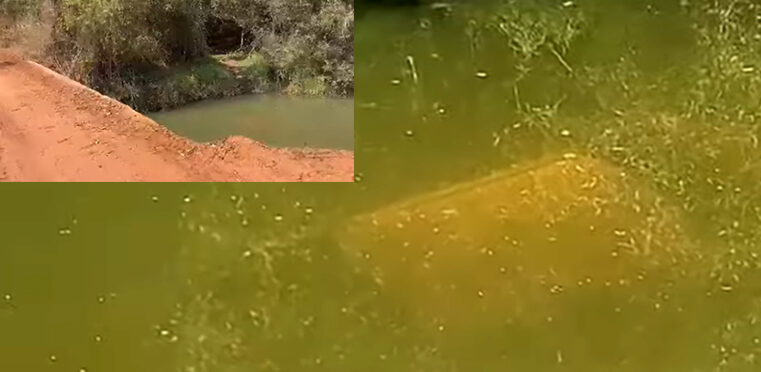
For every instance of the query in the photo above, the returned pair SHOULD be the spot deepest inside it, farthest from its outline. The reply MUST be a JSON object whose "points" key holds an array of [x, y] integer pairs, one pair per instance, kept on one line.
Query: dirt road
{"points": [[54, 129]]}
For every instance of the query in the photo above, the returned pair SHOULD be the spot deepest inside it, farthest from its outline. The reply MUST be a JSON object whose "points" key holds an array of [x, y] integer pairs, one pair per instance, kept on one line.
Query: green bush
{"points": [[15, 9], [301, 39], [108, 38], [118, 46]]}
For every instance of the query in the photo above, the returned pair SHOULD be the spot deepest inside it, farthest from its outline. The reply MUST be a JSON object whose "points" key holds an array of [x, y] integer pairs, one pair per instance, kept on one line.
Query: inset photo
{"points": [[176, 91]]}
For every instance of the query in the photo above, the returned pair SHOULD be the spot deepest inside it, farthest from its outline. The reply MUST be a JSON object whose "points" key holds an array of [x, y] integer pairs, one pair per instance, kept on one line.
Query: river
{"points": [[276, 120], [541, 186]]}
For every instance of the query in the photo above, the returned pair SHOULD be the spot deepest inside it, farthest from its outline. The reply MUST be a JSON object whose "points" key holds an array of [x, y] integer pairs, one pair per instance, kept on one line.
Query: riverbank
{"points": [[204, 78], [55, 129]]}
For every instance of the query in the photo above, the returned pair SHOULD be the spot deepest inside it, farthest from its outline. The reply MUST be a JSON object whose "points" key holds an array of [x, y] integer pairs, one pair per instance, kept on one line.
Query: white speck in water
{"points": [[101, 299], [481, 75], [308, 210], [278, 217], [64, 231], [98, 338], [187, 199], [409, 133], [568, 4], [565, 133], [154, 198], [7, 297], [396, 81], [53, 358], [559, 356], [247, 253], [449, 212]]}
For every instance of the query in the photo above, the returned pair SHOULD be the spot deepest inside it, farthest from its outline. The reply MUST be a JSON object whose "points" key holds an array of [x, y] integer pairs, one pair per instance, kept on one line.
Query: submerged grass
{"points": [[478, 88], [668, 92]]}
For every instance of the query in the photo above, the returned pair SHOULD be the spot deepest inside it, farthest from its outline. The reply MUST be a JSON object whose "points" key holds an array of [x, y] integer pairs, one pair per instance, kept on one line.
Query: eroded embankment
{"points": [[55, 129]]}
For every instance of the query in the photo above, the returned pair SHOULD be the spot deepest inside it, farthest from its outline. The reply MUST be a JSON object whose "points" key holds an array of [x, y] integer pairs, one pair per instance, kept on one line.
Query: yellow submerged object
{"points": [[504, 243]]}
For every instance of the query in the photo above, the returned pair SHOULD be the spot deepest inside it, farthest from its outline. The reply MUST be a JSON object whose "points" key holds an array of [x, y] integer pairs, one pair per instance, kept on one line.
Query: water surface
{"points": [[541, 186], [278, 121]]}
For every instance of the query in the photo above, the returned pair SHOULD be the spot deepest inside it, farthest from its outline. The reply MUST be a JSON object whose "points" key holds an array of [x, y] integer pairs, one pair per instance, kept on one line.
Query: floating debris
{"points": [[413, 69], [465, 220]]}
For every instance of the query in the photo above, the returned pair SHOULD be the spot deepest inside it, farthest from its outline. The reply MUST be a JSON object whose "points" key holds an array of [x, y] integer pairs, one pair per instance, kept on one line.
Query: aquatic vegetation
{"points": [[665, 93], [501, 246], [460, 175]]}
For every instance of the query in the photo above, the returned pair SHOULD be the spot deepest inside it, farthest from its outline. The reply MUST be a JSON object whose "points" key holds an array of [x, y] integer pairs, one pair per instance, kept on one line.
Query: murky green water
{"points": [[278, 121], [539, 187]]}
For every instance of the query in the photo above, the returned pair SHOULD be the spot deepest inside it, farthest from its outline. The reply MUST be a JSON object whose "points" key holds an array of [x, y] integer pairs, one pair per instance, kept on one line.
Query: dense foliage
{"points": [[118, 45]]}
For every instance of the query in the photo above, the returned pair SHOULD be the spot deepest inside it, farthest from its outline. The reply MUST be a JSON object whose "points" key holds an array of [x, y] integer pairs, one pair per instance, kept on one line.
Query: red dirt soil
{"points": [[55, 129]]}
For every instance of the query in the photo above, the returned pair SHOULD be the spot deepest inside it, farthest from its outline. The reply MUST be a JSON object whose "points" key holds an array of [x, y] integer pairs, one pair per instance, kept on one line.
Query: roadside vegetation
{"points": [[159, 54]]}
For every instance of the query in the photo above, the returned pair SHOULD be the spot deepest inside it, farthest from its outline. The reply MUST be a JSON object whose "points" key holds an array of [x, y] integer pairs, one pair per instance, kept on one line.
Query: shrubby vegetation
{"points": [[130, 48]]}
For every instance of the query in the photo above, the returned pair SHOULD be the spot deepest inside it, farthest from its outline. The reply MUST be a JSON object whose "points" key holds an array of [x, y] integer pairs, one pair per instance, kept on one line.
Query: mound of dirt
{"points": [[55, 129]]}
